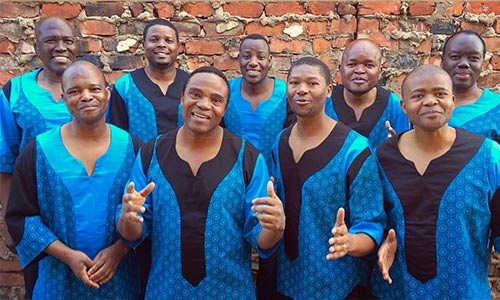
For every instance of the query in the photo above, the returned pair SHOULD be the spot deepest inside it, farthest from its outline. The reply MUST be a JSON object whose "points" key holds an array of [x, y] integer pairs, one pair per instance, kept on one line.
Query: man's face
{"points": [[463, 60], [254, 60], [204, 103], [55, 45], [85, 94], [428, 101], [360, 68], [161, 47], [307, 90]]}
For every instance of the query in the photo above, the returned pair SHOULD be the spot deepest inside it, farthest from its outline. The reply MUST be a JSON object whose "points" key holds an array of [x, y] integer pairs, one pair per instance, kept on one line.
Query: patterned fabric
{"points": [[230, 229], [458, 212], [481, 116], [64, 207], [259, 127], [341, 172], [386, 107], [139, 106], [26, 110]]}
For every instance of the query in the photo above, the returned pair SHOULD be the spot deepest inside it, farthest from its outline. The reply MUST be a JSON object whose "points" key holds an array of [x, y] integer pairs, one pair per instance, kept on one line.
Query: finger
{"points": [[86, 280], [131, 187], [340, 217], [148, 189], [270, 188], [391, 236], [96, 266]]}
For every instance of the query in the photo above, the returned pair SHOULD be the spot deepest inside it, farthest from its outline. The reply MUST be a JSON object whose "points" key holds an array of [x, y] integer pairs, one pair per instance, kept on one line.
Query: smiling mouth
{"points": [[197, 115]]}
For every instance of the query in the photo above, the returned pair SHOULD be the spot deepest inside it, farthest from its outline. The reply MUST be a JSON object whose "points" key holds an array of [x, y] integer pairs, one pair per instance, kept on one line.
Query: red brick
{"points": [[285, 7], [456, 9], [294, 46], [204, 47], [17, 9], [382, 40], [322, 8], [320, 45], [125, 62], [380, 7], [136, 8], [226, 62], [341, 41], [104, 9], [256, 27], [421, 8], [112, 77], [492, 44], [368, 25], [324, 58], [64, 10], [98, 27], [244, 9], [315, 28], [343, 25], [419, 26], [165, 10], [425, 45], [195, 62], [346, 9], [86, 45], [188, 29], [281, 63], [495, 62], [392, 25], [11, 279], [211, 29], [497, 26], [479, 28], [482, 7], [7, 75], [198, 9], [7, 46], [489, 80]]}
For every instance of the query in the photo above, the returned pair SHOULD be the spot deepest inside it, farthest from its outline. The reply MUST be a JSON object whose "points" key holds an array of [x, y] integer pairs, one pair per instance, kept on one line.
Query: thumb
{"points": [[131, 187], [391, 236], [148, 189], [270, 188], [340, 217], [387, 125]]}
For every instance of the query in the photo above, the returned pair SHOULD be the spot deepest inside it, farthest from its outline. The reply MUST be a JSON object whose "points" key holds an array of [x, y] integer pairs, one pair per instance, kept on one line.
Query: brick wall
{"points": [[410, 33]]}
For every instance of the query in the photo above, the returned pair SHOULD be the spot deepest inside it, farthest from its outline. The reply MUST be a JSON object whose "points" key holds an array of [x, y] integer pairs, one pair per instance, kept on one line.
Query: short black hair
{"points": [[256, 36], [161, 22], [313, 61], [212, 70], [466, 32]]}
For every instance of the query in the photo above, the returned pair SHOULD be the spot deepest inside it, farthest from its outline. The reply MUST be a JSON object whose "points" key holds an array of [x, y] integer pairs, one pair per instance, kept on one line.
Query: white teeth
{"points": [[200, 116]]}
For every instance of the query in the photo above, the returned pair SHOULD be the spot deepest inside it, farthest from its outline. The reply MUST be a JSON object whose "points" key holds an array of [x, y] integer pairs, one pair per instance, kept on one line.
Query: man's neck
{"points": [[361, 100], [463, 97]]}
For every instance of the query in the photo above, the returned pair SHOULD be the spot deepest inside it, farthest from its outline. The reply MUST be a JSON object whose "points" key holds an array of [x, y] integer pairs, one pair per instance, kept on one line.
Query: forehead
{"points": [[429, 81], [209, 83], [49, 27], [306, 71], [82, 74], [465, 42], [160, 30], [254, 45], [362, 50]]}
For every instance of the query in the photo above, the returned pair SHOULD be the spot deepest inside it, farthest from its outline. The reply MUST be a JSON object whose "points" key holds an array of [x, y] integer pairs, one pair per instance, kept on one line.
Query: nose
{"points": [[302, 89], [464, 63], [429, 100], [203, 103], [359, 68], [60, 45], [85, 95], [252, 61]]}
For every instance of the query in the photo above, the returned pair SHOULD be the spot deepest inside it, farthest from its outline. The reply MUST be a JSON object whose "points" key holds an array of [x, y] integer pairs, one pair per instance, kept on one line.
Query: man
{"points": [[31, 104], [200, 216], [324, 175], [66, 186], [258, 109], [443, 199], [359, 102], [145, 102], [476, 109]]}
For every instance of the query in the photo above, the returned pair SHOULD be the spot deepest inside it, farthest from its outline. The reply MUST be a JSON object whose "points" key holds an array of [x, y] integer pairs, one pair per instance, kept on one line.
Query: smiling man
{"points": [[66, 186], [258, 109], [476, 109], [360, 102], [145, 102]]}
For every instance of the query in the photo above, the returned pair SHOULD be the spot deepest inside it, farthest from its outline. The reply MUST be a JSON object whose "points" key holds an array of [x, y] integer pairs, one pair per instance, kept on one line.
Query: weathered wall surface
{"points": [[410, 33]]}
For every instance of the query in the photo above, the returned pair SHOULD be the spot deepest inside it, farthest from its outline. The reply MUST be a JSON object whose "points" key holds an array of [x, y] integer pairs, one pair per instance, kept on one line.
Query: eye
{"points": [[69, 42], [218, 101], [73, 92], [194, 94], [96, 89]]}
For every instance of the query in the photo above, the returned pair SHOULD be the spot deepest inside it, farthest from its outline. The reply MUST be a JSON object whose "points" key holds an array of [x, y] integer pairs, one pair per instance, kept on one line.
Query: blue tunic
{"points": [[260, 126], [26, 110], [53, 198], [386, 107], [481, 117], [340, 172], [445, 220], [139, 106], [201, 226]]}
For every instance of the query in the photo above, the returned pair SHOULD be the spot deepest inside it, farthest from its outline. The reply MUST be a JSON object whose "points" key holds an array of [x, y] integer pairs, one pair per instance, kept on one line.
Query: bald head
{"points": [[423, 71], [82, 68], [367, 46], [49, 22]]}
